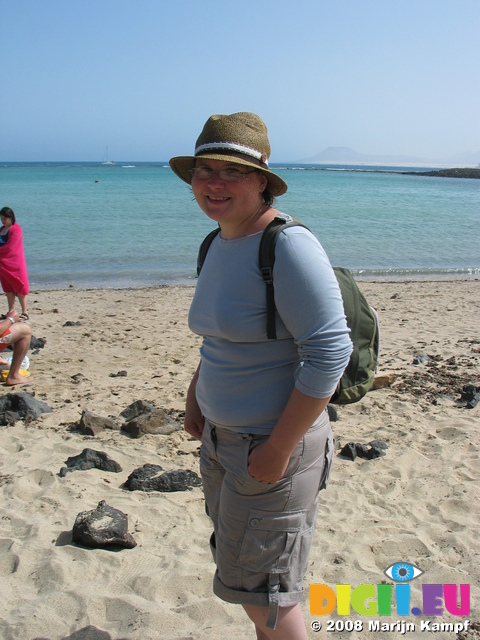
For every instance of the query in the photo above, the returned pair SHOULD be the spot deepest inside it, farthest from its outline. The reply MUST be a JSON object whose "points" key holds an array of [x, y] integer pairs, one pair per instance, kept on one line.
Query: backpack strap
{"points": [[266, 260], [204, 247]]}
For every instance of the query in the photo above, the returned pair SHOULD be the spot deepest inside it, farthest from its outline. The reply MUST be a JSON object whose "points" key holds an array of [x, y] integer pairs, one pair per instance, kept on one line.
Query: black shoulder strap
{"points": [[204, 247], [266, 260]]}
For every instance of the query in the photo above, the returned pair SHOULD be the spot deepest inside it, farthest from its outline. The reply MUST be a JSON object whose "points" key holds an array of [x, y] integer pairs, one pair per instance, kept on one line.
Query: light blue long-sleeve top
{"points": [[245, 379]]}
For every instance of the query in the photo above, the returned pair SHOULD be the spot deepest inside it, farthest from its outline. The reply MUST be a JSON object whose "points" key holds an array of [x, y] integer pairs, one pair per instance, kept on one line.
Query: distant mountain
{"points": [[345, 155]]}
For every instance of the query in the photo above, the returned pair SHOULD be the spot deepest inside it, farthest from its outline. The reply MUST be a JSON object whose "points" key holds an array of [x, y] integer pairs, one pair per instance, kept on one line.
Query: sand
{"points": [[418, 504]]}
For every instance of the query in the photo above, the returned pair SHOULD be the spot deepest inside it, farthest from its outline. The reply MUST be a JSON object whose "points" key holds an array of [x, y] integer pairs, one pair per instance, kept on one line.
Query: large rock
{"points": [[91, 424], [155, 422], [137, 408], [105, 526], [20, 406], [150, 478], [90, 459]]}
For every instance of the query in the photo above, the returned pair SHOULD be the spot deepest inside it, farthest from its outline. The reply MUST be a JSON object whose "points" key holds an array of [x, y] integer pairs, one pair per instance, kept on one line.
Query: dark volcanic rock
{"points": [[155, 422], [470, 396], [20, 406], [37, 343], [332, 412], [349, 451], [150, 478], [90, 459], [137, 408], [370, 451], [90, 424], [143, 478], [102, 527]]}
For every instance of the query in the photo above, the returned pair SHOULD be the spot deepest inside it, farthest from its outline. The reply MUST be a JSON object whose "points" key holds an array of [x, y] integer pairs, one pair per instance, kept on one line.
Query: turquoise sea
{"points": [[135, 224]]}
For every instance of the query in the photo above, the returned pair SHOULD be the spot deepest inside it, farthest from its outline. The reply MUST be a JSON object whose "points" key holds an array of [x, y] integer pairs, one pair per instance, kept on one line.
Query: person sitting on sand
{"points": [[18, 334]]}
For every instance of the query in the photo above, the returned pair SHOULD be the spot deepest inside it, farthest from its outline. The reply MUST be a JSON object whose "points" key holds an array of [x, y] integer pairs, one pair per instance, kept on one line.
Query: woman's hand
{"points": [[194, 420], [267, 464]]}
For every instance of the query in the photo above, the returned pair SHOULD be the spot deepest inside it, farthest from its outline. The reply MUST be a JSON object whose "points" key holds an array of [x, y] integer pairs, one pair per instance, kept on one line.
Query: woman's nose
{"points": [[215, 178]]}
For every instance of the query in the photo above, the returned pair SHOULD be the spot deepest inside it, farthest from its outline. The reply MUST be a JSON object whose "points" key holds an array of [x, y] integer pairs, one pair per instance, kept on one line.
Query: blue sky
{"points": [[379, 76]]}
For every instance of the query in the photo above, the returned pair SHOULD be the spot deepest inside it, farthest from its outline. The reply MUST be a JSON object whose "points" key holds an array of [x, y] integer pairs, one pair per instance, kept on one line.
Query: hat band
{"points": [[230, 148]]}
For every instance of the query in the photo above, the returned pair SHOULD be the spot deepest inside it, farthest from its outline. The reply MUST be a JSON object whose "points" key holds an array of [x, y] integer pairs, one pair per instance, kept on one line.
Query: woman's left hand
{"points": [[267, 464]]}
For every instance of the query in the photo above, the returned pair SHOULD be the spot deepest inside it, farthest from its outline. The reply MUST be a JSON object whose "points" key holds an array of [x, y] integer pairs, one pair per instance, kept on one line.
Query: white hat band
{"points": [[231, 146]]}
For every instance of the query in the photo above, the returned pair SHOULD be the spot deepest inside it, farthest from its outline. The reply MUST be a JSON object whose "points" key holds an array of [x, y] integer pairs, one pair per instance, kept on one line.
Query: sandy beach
{"points": [[417, 504]]}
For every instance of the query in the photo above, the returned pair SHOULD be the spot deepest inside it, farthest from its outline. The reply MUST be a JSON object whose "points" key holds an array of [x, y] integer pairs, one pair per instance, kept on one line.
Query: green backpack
{"points": [[362, 320]]}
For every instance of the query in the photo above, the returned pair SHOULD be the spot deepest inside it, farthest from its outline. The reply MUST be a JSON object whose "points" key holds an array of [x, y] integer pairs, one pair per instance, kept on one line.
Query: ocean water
{"points": [[134, 224]]}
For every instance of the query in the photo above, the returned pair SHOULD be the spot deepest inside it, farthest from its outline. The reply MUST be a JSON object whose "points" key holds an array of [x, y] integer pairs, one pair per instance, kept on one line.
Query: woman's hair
{"points": [[6, 212], [267, 196]]}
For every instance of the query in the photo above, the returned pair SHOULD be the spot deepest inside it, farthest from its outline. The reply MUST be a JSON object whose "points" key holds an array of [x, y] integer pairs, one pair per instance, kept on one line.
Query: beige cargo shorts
{"points": [[263, 532]]}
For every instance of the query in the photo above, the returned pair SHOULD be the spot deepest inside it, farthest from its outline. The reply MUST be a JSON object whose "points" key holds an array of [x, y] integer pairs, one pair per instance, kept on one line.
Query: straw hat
{"points": [[241, 138]]}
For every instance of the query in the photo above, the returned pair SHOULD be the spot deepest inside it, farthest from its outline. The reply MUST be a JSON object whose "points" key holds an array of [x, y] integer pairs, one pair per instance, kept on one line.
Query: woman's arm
{"points": [[268, 462], [194, 421], [309, 302]]}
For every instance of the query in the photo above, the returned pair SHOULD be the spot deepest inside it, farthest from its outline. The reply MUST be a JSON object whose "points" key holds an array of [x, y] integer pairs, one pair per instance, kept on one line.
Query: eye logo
{"points": [[403, 572]]}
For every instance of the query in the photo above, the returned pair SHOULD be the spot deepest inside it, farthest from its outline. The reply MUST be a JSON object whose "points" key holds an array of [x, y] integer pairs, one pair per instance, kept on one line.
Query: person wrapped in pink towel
{"points": [[13, 267]]}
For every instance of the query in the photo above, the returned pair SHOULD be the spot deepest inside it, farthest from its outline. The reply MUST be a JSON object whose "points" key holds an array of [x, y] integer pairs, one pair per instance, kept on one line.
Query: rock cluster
{"points": [[370, 451], [138, 419]]}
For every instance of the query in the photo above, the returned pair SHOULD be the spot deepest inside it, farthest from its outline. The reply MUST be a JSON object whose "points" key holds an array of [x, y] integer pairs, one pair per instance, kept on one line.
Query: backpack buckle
{"points": [[267, 274]]}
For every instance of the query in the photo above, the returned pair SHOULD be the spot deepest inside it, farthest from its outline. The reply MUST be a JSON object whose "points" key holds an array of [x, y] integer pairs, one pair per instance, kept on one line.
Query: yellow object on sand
{"points": [[22, 372]]}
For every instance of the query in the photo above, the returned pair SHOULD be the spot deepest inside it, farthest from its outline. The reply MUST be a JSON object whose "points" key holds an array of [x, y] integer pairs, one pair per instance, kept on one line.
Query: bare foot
{"points": [[3, 362], [11, 381]]}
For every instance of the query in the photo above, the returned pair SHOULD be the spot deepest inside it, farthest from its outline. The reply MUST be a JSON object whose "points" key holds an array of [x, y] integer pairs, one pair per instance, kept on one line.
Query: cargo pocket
{"points": [[327, 463], [271, 541]]}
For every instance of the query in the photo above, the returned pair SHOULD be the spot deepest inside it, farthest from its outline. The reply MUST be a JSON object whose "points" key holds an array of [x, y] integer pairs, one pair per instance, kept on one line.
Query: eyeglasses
{"points": [[227, 175]]}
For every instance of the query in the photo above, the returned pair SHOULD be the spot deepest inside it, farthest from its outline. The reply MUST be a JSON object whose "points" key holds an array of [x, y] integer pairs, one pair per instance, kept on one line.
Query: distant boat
{"points": [[107, 161]]}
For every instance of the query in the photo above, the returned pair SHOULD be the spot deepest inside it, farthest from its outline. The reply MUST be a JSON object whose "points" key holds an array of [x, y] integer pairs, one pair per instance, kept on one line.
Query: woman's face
{"points": [[229, 203], [6, 222]]}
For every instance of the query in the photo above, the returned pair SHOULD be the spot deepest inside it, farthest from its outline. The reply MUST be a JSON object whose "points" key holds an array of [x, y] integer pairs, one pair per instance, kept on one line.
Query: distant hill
{"points": [[473, 172], [345, 155]]}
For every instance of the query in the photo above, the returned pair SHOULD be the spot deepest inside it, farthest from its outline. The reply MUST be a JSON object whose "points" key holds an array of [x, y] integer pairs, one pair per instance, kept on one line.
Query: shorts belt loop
{"points": [[273, 590]]}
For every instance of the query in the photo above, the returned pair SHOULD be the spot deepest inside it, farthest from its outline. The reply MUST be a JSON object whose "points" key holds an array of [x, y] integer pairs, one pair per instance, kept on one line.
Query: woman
{"points": [[259, 405], [13, 268]]}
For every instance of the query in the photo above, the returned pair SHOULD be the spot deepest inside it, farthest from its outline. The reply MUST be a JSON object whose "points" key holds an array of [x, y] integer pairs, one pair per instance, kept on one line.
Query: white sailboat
{"points": [[107, 161]]}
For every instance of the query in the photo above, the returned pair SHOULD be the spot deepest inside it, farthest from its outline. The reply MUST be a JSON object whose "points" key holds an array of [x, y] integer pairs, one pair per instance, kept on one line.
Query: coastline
{"points": [[360, 275], [418, 504]]}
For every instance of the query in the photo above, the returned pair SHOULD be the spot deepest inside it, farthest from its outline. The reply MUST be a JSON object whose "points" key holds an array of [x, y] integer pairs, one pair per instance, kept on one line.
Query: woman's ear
{"points": [[263, 183]]}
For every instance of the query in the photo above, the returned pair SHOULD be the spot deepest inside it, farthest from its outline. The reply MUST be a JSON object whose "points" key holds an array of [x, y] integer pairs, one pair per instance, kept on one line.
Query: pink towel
{"points": [[13, 268]]}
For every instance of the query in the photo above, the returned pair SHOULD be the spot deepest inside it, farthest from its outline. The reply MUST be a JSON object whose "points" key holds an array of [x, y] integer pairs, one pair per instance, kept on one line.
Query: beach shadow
{"points": [[64, 539], [87, 633]]}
